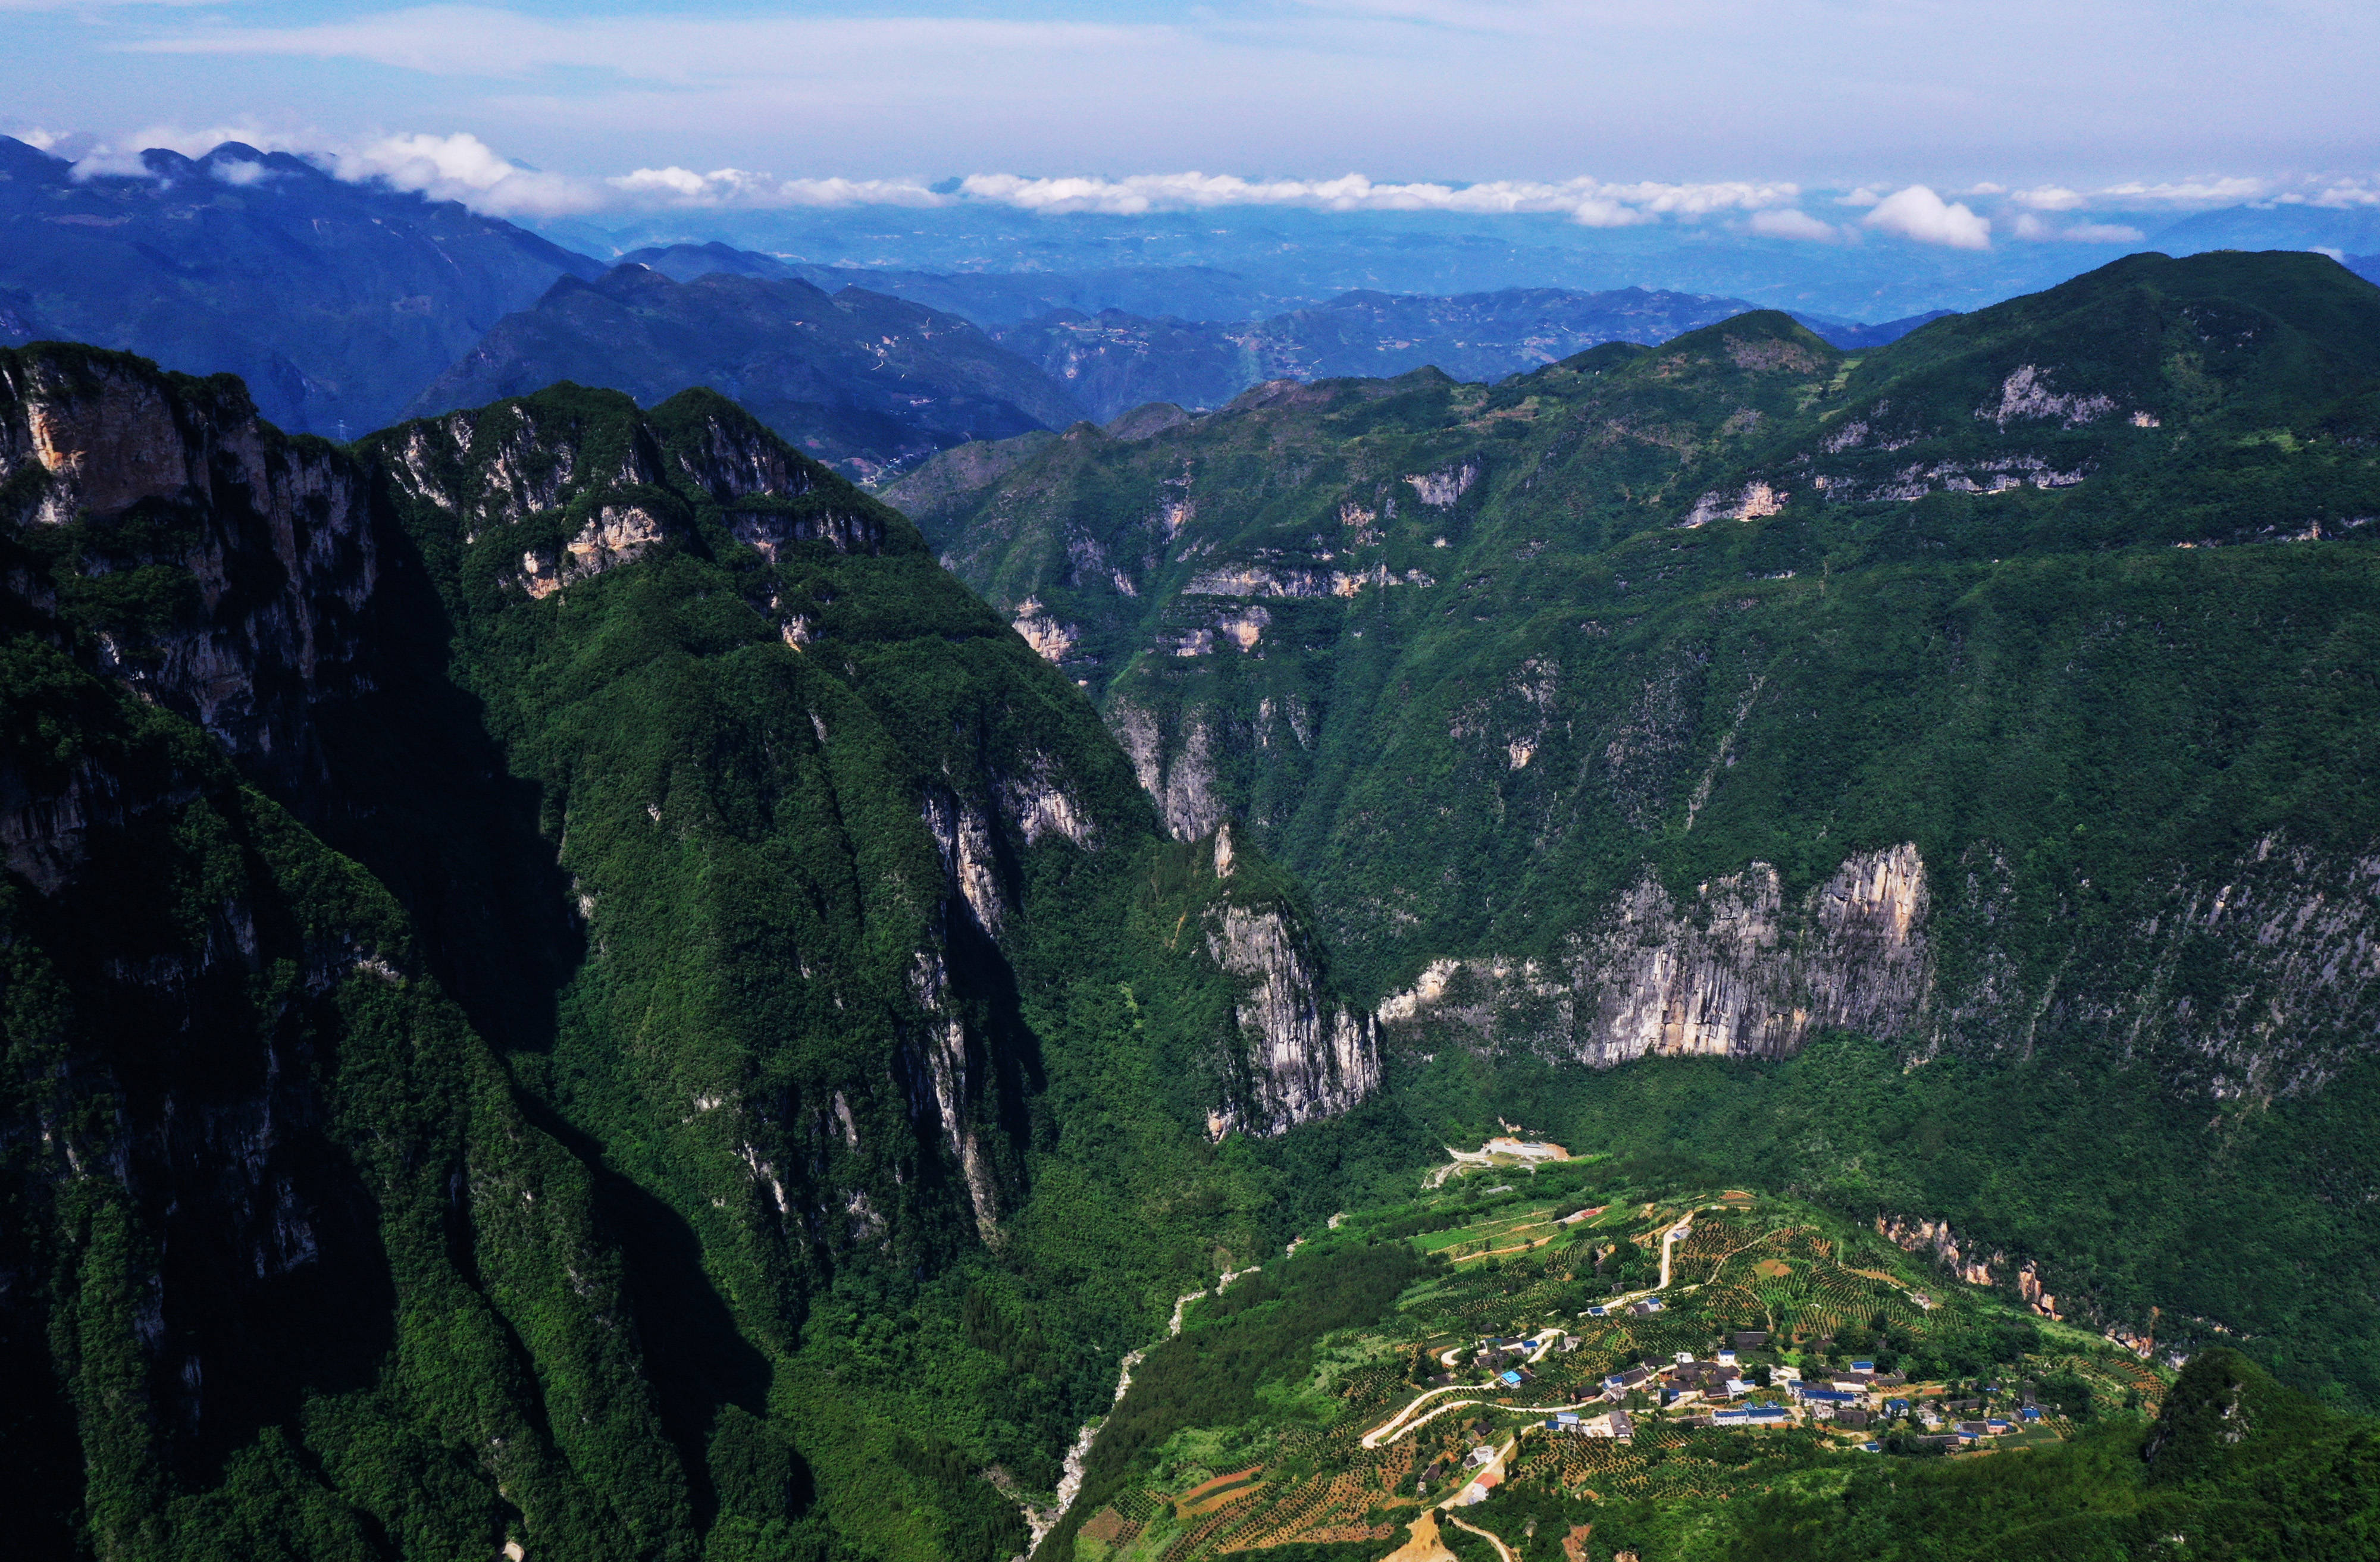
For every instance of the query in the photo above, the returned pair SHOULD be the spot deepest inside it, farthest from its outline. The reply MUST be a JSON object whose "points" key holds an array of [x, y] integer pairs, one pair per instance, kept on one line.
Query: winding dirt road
{"points": [[1489, 1536]]}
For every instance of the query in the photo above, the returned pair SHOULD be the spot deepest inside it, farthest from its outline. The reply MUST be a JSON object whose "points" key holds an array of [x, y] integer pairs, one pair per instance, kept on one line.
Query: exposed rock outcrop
{"points": [[620, 534], [955, 1076], [770, 532], [1051, 640], [1934, 1237], [181, 480], [1178, 776], [1732, 973], [1306, 1056]]}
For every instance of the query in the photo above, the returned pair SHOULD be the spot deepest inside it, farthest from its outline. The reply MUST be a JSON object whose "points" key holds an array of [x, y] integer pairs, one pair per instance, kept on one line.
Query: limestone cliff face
{"points": [[1912, 1234], [1734, 971], [1969, 1262], [2285, 937], [1305, 1056], [240, 561], [1176, 769]]}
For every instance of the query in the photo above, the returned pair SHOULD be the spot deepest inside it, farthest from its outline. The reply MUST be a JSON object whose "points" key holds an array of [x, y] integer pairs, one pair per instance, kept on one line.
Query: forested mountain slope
{"points": [[859, 378], [566, 984], [336, 301], [2006, 696]]}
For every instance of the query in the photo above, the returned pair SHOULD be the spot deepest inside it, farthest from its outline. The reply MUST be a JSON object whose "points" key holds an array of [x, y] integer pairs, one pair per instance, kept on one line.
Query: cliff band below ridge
{"points": [[1731, 974]]}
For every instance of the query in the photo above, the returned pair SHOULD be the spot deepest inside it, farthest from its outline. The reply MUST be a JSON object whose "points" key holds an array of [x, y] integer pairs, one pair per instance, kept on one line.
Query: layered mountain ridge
{"points": [[1998, 695], [335, 302], [560, 889], [860, 378]]}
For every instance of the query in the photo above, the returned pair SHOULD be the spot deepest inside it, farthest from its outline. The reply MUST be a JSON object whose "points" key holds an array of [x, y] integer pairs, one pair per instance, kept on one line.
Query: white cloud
{"points": [[463, 167], [2182, 192], [736, 186], [2345, 195], [2029, 227], [1592, 202], [95, 157], [1917, 212], [1589, 202], [2103, 233], [1860, 196], [2049, 198], [241, 171], [1789, 222]]}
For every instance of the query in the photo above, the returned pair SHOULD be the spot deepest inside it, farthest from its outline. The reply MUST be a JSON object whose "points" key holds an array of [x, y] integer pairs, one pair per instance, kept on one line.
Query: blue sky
{"points": [[2040, 112]]}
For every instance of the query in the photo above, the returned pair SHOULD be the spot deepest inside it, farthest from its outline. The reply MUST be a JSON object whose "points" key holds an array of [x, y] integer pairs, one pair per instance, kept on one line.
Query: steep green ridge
{"points": [[2005, 694], [808, 1139]]}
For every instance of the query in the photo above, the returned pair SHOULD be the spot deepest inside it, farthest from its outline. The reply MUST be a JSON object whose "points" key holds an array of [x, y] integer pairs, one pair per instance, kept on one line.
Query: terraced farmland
{"points": [[1502, 1268]]}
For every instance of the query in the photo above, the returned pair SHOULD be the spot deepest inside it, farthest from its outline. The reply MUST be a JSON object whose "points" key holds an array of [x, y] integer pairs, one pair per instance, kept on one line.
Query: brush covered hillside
{"points": [[336, 302], [1957, 756], [859, 378], [564, 987]]}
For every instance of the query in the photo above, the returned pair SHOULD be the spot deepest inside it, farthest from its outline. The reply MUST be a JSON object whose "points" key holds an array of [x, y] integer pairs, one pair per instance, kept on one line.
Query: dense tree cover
{"points": [[2236, 1466], [2073, 594], [737, 1184], [1262, 1328]]}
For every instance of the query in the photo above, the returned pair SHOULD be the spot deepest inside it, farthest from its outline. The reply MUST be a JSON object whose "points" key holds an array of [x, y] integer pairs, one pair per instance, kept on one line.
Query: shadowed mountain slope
{"points": [[335, 302], [859, 378], [534, 942]]}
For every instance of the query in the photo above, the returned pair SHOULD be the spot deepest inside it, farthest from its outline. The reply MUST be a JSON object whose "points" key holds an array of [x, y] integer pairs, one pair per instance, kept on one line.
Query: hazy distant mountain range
{"points": [[1116, 361], [342, 304], [992, 299], [860, 378], [1294, 258], [1084, 331], [336, 302]]}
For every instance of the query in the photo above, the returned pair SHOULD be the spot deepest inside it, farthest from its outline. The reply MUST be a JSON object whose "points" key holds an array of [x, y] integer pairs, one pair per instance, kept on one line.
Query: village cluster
{"points": [[1729, 1390]]}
